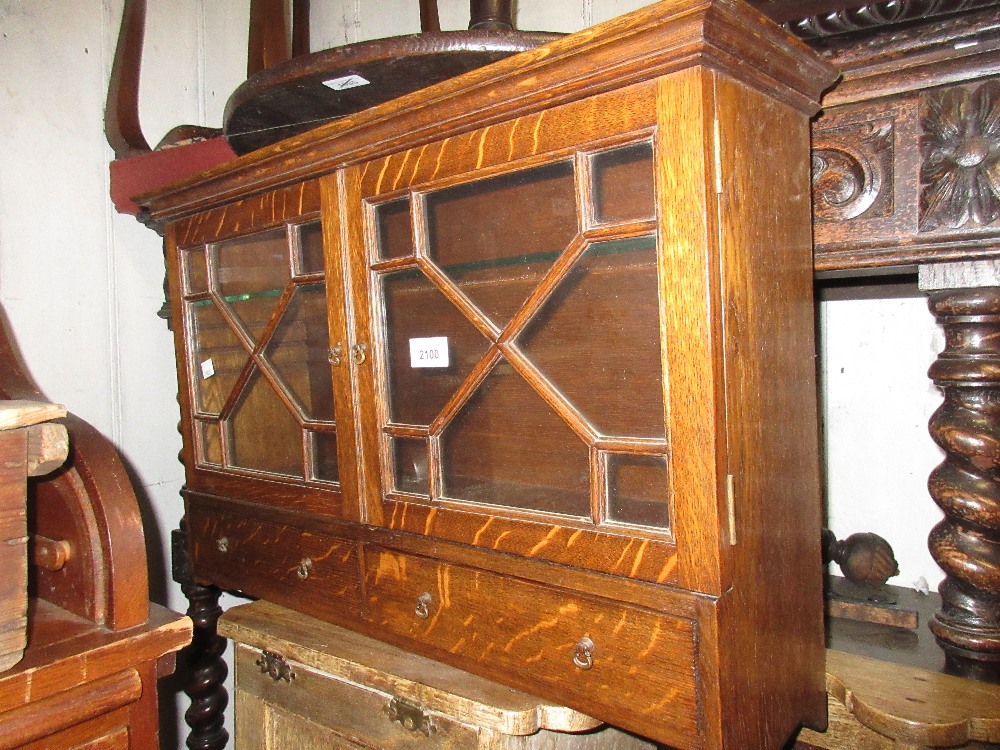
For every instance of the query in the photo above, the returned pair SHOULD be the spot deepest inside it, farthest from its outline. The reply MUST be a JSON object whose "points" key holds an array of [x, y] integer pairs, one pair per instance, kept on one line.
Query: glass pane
{"points": [[217, 356], [325, 456], [496, 237], [209, 443], [409, 465], [507, 447], [623, 183], [195, 271], [264, 434], [597, 338], [416, 309], [395, 232], [637, 490], [311, 248], [298, 351], [251, 273]]}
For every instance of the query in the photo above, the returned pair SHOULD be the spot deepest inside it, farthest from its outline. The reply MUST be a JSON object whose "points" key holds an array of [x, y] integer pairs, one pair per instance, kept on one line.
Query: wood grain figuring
{"points": [[650, 560], [643, 663], [673, 601], [351, 459], [493, 148], [252, 214], [295, 567]]}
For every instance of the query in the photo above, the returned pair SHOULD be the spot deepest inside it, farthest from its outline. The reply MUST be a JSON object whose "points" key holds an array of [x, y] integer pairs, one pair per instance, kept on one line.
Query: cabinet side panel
{"points": [[773, 668], [688, 268]]}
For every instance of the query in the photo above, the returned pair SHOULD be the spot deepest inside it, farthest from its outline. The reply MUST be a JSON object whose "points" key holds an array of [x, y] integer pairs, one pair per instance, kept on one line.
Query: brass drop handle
{"points": [[583, 656], [359, 353], [333, 355], [304, 568], [222, 544], [423, 607]]}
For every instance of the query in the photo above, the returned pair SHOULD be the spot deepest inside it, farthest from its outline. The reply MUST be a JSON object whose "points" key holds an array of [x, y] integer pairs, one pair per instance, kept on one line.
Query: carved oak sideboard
{"points": [[906, 173], [516, 372]]}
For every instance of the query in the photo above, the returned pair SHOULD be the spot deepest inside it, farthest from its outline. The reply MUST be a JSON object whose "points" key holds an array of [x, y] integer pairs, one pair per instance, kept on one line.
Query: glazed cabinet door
{"points": [[256, 363], [511, 301]]}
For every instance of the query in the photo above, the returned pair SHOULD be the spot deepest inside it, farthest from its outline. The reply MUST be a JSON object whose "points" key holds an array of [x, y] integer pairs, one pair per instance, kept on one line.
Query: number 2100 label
{"points": [[429, 352]]}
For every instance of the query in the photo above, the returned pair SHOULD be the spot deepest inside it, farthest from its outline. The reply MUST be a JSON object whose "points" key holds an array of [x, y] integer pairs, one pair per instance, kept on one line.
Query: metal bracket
{"points": [[275, 667], [410, 717]]}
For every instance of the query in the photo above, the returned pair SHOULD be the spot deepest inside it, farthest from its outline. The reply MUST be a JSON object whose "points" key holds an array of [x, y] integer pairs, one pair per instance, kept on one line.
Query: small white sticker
{"points": [[207, 369], [429, 352], [346, 82]]}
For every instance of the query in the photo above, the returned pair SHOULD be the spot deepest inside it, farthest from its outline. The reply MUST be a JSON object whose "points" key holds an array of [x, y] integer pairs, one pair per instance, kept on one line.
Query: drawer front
{"points": [[343, 714], [621, 664], [299, 569]]}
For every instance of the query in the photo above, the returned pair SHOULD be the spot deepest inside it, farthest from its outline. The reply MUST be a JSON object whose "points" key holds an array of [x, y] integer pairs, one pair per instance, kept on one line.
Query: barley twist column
{"points": [[966, 486], [207, 670]]}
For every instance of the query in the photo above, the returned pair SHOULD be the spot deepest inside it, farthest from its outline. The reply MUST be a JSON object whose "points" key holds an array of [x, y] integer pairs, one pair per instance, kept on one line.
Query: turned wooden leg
{"points": [[966, 544], [203, 660]]}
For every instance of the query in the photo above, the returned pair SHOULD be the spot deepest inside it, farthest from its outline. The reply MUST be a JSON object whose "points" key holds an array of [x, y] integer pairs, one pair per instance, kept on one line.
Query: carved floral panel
{"points": [[960, 157]]}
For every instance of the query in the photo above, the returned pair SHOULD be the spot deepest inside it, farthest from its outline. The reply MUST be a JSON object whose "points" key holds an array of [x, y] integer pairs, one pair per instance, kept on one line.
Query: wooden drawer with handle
{"points": [[303, 684], [284, 564], [627, 662]]}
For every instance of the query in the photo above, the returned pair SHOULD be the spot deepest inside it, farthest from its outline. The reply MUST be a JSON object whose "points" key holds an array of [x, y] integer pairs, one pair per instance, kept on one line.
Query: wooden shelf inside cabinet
{"points": [[574, 497]]}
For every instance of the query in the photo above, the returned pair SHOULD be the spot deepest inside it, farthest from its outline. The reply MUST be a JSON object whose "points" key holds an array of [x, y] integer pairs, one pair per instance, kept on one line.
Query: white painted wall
{"points": [[82, 284]]}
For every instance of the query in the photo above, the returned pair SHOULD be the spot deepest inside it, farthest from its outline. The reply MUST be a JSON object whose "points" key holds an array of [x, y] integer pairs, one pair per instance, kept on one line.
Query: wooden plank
{"points": [[914, 706], [66, 708], [21, 413]]}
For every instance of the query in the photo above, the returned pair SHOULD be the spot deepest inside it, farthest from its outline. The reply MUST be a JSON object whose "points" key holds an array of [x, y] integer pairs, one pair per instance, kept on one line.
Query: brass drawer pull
{"points": [[423, 608], [583, 656], [304, 568], [333, 356], [275, 667], [359, 353], [222, 544], [412, 718]]}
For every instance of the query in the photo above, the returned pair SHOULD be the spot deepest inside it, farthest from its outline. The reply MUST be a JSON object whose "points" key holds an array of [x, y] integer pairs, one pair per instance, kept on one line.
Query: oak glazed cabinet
{"points": [[603, 489]]}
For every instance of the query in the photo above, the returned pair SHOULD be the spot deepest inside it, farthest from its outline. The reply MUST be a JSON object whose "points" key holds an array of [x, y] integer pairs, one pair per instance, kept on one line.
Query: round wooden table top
{"points": [[309, 90]]}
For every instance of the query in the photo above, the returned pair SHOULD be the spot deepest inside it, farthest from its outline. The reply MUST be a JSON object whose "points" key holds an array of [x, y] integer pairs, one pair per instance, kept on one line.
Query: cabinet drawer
{"points": [[618, 663], [314, 704], [284, 564]]}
